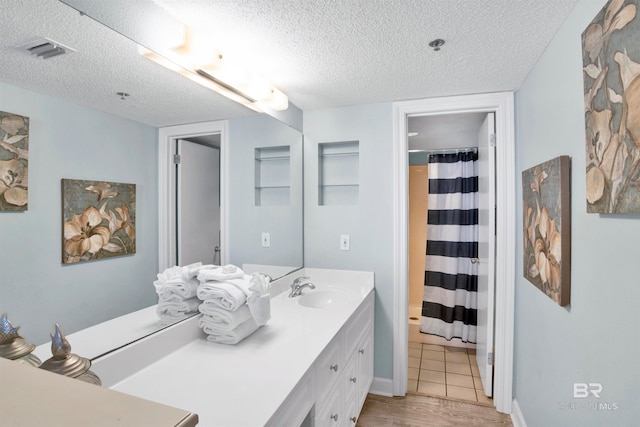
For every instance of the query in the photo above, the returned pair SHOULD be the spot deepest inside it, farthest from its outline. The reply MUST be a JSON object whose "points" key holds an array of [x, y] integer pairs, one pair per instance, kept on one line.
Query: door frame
{"points": [[502, 104], [167, 186]]}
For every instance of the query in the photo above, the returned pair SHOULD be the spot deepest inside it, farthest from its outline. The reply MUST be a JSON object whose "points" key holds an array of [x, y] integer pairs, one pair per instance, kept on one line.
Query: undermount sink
{"points": [[326, 297]]}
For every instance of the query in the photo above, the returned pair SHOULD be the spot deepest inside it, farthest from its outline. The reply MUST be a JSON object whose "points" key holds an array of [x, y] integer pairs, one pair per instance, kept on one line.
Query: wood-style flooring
{"points": [[415, 410]]}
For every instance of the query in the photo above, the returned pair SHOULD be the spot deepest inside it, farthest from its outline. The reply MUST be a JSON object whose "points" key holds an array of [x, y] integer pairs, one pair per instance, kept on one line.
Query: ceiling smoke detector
{"points": [[436, 44], [44, 48]]}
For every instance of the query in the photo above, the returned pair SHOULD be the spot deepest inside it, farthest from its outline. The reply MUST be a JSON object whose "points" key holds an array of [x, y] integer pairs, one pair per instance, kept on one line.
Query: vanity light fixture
{"points": [[198, 61]]}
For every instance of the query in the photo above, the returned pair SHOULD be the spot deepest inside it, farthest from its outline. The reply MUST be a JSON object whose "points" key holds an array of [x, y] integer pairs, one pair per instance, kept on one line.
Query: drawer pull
{"points": [[353, 379], [334, 417], [334, 367], [354, 419], [361, 351]]}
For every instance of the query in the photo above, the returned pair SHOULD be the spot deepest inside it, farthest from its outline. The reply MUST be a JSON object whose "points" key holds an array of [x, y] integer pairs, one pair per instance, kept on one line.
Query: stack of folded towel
{"points": [[177, 291], [234, 304]]}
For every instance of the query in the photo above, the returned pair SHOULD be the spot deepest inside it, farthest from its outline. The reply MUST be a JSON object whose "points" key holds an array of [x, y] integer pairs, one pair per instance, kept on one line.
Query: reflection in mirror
{"points": [[260, 198], [81, 142], [160, 35], [265, 195]]}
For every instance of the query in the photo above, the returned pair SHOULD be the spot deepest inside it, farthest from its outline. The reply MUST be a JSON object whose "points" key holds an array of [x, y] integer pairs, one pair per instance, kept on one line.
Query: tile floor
{"points": [[442, 371]]}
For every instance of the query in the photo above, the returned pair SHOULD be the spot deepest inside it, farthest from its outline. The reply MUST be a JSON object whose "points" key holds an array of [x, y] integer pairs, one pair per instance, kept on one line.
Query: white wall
{"points": [[70, 141], [596, 339], [369, 223]]}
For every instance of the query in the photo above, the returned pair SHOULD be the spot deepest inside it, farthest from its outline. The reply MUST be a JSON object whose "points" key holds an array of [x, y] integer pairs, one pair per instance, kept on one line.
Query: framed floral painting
{"points": [[14, 162], [547, 228], [98, 220], [611, 71]]}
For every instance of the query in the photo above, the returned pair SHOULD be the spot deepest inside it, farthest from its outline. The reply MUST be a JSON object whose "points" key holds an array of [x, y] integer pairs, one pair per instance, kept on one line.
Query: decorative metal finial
{"points": [[60, 347], [66, 363], [7, 331], [13, 346]]}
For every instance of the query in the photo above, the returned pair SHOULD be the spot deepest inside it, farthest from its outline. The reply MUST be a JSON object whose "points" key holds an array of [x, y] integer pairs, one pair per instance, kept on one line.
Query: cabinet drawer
{"points": [[328, 368], [351, 414], [330, 412], [350, 380], [364, 357], [360, 323]]}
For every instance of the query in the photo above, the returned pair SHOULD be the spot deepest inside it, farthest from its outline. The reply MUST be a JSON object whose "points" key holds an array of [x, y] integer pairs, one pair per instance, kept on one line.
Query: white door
{"points": [[486, 251], [198, 203]]}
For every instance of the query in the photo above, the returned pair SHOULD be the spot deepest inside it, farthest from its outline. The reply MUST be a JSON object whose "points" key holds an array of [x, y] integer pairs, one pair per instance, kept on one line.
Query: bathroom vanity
{"points": [[311, 364]]}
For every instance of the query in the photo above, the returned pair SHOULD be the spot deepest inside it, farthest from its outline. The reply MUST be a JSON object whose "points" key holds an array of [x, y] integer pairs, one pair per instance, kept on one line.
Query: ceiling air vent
{"points": [[45, 48]]}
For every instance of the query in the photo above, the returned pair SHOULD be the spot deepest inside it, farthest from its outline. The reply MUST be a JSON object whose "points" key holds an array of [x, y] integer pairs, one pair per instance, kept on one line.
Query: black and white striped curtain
{"points": [[451, 276]]}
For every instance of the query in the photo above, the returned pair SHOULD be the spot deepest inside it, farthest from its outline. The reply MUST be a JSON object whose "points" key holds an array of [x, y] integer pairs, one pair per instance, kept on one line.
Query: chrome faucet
{"points": [[299, 284]]}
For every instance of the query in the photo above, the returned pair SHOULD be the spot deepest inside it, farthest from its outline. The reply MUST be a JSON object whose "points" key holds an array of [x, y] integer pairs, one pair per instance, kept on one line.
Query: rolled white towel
{"points": [[176, 289], [243, 283], [223, 294], [192, 270], [218, 318], [222, 273], [170, 274], [234, 336], [177, 310]]}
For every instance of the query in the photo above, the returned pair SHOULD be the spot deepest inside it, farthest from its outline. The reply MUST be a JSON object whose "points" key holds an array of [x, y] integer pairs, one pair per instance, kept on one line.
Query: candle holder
{"points": [[64, 362], [13, 346]]}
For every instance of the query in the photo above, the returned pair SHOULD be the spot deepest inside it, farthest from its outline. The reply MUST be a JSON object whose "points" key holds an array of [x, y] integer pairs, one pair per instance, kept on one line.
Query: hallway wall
{"points": [[596, 339]]}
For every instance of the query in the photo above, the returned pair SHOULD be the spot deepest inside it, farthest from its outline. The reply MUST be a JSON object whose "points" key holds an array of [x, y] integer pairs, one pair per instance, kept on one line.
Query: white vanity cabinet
{"points": [[344, 371]]}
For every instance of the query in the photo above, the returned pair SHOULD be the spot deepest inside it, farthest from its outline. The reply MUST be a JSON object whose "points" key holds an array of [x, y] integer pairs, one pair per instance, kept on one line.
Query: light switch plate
{"points": [[266, 240], [344, 242]]}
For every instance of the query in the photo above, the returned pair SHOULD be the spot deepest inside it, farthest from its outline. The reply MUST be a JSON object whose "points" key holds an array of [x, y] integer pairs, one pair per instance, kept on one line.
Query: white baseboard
{"points": [[382, 387], [516, 415]]}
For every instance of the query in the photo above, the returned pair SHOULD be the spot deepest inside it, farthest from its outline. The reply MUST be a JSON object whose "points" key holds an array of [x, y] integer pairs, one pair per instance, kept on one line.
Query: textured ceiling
{"points": [[436, 132], [322, 53]]}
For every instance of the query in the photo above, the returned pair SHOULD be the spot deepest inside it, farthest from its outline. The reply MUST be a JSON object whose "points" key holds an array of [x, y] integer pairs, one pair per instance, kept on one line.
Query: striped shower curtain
{"points": [[451, 276]]}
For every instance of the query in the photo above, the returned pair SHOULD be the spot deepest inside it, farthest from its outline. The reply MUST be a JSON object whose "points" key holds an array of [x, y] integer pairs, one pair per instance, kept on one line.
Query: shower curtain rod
{"points": [[447, 150]]}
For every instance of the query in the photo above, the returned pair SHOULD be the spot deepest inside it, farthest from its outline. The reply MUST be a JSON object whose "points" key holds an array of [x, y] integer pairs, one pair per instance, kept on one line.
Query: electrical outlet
{"points": [[266, 240], [344, 242]]}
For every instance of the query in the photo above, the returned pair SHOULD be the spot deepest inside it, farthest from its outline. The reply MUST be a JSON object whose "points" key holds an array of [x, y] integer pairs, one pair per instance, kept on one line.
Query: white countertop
{"points": [[244, 384]]}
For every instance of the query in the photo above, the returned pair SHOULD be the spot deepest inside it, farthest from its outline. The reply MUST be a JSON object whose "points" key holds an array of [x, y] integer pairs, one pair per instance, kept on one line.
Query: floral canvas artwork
{"points": [[98, 220], [14, 162], [611, 70], [547, 228]]}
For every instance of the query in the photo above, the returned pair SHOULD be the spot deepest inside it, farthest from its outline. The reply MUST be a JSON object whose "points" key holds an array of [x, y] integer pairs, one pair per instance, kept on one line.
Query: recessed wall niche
{"points": [[338, 173], [272, 176]]}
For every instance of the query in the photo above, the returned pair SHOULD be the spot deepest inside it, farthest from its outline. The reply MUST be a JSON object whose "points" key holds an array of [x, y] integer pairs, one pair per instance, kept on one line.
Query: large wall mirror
{"points": [[263, 187], [260, 168]]}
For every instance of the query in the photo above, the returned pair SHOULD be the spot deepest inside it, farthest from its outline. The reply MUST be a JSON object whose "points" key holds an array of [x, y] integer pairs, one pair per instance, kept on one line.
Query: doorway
{"points": [[168, 245], [451, 206], [197, 162], [501, 104]]}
